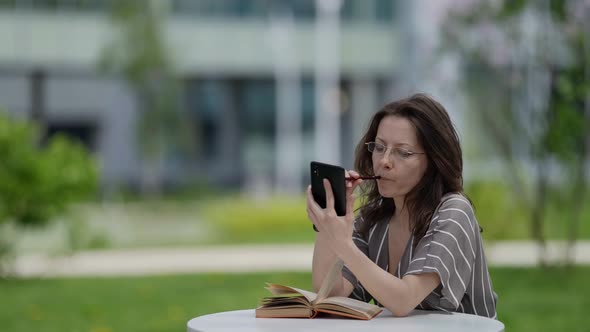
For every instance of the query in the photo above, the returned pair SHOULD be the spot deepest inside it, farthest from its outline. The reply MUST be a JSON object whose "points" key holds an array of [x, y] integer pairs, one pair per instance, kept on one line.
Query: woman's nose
{"points": [[385, 161]]}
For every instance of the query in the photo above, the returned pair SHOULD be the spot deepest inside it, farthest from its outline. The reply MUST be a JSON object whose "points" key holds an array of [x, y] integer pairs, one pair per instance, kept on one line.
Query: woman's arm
{"points": [[400, 296], [323, 255], [323, 259]]}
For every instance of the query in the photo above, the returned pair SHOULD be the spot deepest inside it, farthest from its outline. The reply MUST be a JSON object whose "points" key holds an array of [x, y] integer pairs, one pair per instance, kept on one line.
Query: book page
{"points": [[284, 301], [284, 312], [277, 289], [350, 303], [330, 280]]}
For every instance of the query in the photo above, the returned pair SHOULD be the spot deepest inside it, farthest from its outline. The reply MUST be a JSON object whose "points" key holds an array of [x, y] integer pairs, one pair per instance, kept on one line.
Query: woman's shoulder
{"points": [[455, 200], [456, 206]]}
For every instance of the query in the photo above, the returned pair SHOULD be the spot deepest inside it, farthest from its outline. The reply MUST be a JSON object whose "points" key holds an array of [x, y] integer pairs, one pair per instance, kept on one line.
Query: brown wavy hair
{"points": [[444, 173]]}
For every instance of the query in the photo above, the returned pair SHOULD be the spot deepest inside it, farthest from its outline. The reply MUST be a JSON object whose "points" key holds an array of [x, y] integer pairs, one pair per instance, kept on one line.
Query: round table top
{"points": [[418, 320]]}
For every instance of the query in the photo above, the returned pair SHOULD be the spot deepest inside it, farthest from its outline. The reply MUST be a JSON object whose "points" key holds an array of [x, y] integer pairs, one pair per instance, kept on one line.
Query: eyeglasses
{"points": [[378, 150]]}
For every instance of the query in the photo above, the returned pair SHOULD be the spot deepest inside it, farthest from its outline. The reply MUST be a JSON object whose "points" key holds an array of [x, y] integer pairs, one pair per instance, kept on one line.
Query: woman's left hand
{"points": [[337, 230]]}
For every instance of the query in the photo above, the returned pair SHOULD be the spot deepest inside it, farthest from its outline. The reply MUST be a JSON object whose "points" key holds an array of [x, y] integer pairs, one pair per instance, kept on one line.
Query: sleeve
{"points": [[358, 292], [448, 249]]}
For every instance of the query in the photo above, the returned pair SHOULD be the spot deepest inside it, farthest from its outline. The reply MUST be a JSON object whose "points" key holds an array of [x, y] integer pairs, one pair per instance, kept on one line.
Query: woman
{"points": [[416, 242]]}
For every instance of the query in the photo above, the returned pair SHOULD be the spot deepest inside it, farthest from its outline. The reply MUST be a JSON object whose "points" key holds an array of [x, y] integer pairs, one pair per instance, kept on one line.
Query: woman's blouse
{"points": [[452, 248]]}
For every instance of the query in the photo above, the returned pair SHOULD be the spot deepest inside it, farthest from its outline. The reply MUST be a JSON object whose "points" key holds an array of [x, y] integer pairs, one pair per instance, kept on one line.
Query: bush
{"points": [[238, 219], [497, 210], [502, 216], [38, 183]]}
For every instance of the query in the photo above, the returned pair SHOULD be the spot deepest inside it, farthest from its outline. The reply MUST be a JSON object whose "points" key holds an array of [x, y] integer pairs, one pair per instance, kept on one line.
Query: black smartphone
{"points": [[334, 174]]}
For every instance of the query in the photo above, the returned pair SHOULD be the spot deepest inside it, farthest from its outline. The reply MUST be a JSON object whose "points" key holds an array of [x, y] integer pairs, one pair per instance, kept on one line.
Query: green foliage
{"points": [[511, 7], [497, 211], [529, 300], [501, 214], [139, 51], [504, 216], [79, 234], [498, 86], [37, 184], [239, 219], [532, 122], [567, 129]]}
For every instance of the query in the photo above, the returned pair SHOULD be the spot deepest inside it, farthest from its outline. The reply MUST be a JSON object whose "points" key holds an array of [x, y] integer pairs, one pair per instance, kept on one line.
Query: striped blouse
{"points": [[452, 248]]}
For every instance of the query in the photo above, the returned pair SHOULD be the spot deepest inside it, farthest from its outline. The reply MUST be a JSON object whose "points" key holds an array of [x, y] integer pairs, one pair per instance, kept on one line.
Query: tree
{"points": [[38, 183], [527, 72], [139, 53]]}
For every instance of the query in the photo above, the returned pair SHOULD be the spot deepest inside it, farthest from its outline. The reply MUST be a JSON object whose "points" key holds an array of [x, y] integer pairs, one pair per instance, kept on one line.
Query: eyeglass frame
{"points": [[393, 148]]}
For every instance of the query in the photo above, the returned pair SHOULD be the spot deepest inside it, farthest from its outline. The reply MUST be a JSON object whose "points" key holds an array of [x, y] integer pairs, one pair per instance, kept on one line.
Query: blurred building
{"points": [[223, 51]]}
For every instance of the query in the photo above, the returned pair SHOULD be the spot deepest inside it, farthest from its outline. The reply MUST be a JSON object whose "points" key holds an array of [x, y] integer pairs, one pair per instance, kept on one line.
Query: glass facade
{"points": [[352, 10], [303, 10], [247, 106], [205, 100], [257, 108], [233, 111], [52, 5]]}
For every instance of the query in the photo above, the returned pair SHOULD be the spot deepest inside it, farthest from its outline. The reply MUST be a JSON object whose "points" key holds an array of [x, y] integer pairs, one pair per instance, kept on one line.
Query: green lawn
{"points": [[530, 300]]}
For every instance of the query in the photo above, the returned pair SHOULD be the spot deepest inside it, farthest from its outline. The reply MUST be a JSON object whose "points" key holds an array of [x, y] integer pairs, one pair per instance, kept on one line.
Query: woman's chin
{"points": [[386, 193], [389, 193]]}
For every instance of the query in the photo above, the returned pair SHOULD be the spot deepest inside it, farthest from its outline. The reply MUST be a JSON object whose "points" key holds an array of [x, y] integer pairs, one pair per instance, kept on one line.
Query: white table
{"points": [[419, 320]]}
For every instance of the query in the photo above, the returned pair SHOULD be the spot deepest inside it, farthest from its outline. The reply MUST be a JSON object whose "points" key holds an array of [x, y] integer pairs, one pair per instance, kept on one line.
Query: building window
{"points": [[206, 100], [82, 132], [259, 108]]}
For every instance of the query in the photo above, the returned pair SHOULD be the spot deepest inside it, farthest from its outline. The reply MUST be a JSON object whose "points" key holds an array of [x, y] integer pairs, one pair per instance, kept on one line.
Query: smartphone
{"points": [[334, 174]]}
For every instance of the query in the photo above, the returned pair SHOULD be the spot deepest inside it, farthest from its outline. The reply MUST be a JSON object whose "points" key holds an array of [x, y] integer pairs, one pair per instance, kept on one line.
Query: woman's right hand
{"points": [[324, 255], [350, 186]]}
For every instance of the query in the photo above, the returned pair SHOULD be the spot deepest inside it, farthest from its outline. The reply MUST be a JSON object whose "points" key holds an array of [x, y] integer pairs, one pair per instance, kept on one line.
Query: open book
{"points": [[290, 302]]}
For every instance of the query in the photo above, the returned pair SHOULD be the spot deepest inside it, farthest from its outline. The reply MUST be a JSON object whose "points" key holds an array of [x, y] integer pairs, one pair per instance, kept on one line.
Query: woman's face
{"points": [[402, 164]]}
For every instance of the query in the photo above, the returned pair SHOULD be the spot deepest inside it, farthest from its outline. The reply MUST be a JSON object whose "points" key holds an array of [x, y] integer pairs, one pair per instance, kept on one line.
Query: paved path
{"points": [[235, 259]]}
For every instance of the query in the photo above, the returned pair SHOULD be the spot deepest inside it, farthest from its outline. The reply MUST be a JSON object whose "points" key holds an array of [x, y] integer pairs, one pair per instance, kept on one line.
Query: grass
{"points": [[543, 300], [529, 300], [127, 304]]}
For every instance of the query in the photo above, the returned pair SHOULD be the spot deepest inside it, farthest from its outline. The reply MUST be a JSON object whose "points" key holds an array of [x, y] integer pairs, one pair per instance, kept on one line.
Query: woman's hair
{"points": [[444, 172]]}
